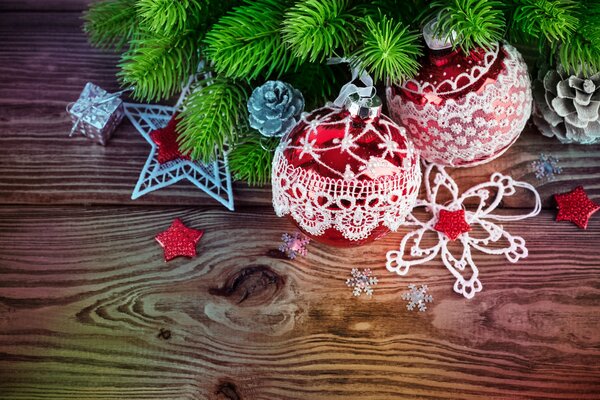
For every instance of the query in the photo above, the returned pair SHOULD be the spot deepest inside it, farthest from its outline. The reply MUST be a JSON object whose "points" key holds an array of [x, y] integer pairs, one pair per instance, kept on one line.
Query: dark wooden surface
{"points": [[89, 310]]}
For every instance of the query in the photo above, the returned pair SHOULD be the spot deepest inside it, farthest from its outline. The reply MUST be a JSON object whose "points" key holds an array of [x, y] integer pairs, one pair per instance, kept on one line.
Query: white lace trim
{"points": [[457, 83], [477, 127], [487, 239], [352, 206]]}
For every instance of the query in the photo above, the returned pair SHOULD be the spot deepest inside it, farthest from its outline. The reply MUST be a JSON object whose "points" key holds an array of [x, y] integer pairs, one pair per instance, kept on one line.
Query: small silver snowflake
{"points": [[546, 167], [417, 297], [294, 245], [362, 282]]}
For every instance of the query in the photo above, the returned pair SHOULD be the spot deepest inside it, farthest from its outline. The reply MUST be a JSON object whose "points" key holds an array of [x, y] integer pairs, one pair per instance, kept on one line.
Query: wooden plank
{"points": [[45, 61], [44, 5], [84, 295]]}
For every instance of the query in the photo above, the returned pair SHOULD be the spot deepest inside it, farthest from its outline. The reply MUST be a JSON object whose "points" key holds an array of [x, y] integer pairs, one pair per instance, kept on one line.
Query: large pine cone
{"points": [[567, 106]]}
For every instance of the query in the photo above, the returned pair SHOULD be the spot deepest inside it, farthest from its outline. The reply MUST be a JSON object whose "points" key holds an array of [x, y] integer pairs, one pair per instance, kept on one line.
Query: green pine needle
{"points": [[246, 43], [213, 116], [168, 16], [477, 23], [111, 23], [390, 50], [555, 20], [318, 29], [580, 52], [251, 159], [156, 66]]}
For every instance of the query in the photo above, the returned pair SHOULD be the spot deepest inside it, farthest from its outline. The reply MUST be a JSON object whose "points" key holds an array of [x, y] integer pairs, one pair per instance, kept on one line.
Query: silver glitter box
{"points": [[97, 113]]}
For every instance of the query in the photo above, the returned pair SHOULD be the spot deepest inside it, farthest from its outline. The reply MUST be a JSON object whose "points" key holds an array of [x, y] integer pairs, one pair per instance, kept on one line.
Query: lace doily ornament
{"points": [[482, 234], [346, 176], [463, 110]]}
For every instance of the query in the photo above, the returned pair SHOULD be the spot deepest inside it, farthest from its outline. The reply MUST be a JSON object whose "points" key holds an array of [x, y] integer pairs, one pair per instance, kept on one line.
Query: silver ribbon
{"points": [[350, 88]]}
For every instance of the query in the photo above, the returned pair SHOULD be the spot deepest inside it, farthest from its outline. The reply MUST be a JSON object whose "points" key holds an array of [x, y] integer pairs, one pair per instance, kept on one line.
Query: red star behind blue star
{"points": [[452, 223], [166, 142], [179, 240], [575, 206]]}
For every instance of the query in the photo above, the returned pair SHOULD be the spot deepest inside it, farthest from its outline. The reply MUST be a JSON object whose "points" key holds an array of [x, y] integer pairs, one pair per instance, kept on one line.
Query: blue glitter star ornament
{"points": [[212, 178], [546, 167]]}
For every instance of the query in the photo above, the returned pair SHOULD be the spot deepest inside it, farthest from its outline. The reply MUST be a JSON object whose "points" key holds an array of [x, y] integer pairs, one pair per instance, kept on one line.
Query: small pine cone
{"points": [[568, 106], [275, 108]]}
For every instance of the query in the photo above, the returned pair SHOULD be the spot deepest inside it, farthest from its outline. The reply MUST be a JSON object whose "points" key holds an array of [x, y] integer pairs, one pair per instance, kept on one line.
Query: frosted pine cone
{"points": [[274, 108], [567, 106]]}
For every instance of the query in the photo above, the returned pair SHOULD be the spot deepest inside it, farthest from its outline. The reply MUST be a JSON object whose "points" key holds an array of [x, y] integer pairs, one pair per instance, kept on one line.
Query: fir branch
{"points": [[251, 159], [213, 115], [580, 52], [318, 29], [477, 23], [156, 66], [553, 19], [246, 43], [111, 23], [169, 16], [390, 50]]}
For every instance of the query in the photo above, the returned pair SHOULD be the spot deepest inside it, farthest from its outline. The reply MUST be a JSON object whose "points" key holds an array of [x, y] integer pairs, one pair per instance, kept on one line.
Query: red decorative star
{"points": [[452, 223], [575, 206], [179, 240], [166, 141]]}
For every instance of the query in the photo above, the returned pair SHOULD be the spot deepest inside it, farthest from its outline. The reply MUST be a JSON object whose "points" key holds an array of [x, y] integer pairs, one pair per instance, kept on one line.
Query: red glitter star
{"points": [[452, 223], [166, 141], [179, 240], [575, 206]]}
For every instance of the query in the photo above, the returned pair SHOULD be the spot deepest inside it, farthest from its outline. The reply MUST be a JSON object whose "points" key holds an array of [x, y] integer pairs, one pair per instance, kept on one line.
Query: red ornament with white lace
{"points": [[463, 109], [346, 176]]}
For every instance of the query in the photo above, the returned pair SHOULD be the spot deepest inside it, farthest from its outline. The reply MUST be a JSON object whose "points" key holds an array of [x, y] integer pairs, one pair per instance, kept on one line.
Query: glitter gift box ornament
{"points": [[96, 114]]}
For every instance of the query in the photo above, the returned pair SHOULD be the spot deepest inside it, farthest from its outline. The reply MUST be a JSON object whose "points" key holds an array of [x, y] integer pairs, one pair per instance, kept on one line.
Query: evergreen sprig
{"points": [[476, 23], [390, 50], [156, 66], [213, 116], [169, 16], [318, 29], [251, 159], [580, 54], [111, 23], [554, 20], [246, 43]]}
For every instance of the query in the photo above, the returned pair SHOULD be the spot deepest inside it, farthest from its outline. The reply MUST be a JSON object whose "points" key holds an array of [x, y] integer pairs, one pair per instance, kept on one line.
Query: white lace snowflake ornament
{"points": [[413, 252]]}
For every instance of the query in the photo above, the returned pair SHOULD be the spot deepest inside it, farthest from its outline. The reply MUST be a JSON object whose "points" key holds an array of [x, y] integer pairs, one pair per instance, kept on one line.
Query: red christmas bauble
{"points": [[346, 176], [464, 109]]}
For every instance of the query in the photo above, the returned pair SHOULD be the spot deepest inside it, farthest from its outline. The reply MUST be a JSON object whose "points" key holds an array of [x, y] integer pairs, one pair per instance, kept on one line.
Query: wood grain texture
{"points": [[89, 309], [45, 5], [42, 165]]}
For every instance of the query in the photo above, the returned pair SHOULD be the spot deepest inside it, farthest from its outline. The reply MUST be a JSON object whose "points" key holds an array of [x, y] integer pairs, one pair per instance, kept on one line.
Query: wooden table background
{"points": [[89, 309]]}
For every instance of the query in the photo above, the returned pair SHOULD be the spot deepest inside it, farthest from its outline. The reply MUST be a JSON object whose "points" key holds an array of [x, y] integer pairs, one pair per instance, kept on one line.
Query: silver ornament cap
{"points": [[364, 107]]}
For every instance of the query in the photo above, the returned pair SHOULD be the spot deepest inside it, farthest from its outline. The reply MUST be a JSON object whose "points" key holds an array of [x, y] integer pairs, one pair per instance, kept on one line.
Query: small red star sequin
{"points": [[452, 223], [575, 206], [166, 141], [179, 240]]}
